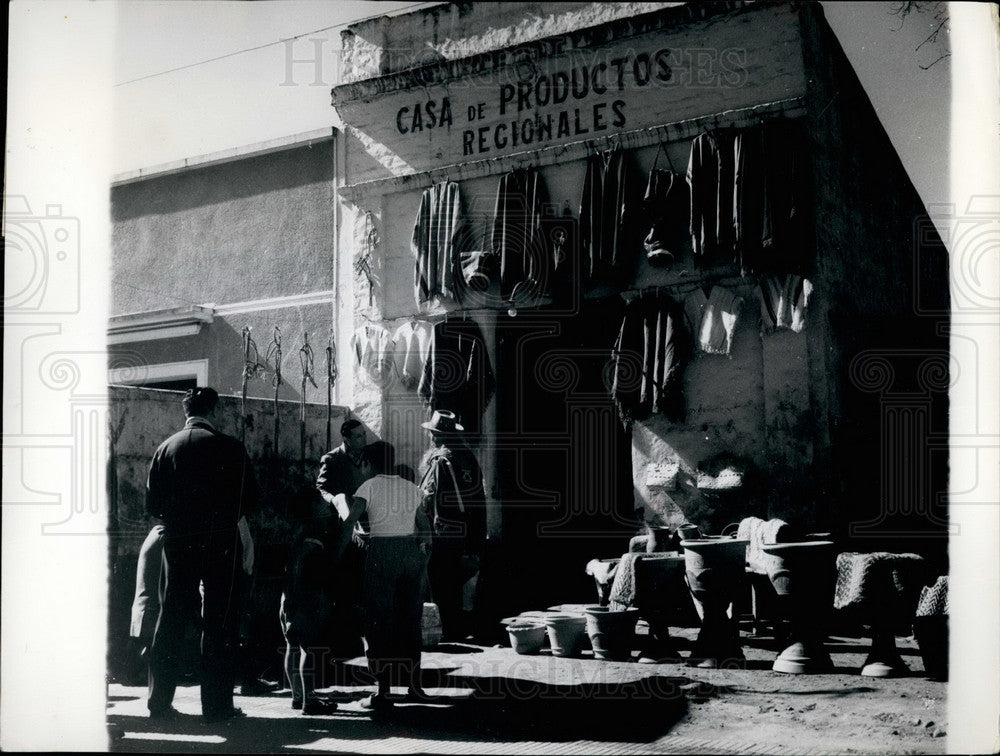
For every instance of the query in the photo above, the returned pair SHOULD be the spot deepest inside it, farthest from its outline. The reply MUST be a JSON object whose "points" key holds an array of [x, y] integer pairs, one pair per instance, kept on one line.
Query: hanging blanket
{"points": [[622, 593], [759, 532], [869, 581], [934, 599]]}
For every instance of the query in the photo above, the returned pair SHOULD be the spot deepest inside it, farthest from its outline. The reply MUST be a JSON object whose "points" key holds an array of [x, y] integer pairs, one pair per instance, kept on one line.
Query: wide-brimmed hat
{"points": [[443, 421]]}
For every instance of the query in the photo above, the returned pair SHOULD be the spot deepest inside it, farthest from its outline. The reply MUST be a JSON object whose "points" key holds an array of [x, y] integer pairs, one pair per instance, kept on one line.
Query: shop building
{"points": [[811, 386], [806, 371]]}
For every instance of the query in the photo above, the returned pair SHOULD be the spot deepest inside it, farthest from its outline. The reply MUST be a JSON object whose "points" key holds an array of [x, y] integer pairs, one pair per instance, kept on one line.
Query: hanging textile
{"points": [[410, 346], [457, 374], [710, 182], [372, 358], [436, 244], [768, 192], [718, 321], [604, 209], [666, 206], [783, 302], [648, 360], [518, 238], [785, 248], [750, 198]]}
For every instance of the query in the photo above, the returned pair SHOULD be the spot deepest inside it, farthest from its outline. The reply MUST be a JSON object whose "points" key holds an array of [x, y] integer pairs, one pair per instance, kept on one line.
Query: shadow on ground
{"points": [[497, 709]]}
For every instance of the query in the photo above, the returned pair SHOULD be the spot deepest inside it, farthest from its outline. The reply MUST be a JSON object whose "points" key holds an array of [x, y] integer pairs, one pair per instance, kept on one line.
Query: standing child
{"points": [[306, 607]]}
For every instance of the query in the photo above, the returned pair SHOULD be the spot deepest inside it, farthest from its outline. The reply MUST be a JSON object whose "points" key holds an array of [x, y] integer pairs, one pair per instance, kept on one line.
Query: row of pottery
{"points": [[611, 633], [803, 580]]}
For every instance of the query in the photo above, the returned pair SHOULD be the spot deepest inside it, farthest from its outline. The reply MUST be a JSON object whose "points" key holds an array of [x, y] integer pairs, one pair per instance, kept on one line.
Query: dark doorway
{"points": [[564, 458], [892, 439]]}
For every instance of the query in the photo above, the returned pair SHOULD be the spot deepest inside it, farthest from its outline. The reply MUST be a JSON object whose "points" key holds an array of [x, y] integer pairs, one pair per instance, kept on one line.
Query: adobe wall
{"points": [[140, 419], [271, 219]]}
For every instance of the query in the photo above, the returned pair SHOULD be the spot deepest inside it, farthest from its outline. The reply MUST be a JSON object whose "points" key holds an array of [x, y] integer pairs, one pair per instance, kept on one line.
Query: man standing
{"points": [[201, 486], [455, 502], [340, 474], [340, 470]]}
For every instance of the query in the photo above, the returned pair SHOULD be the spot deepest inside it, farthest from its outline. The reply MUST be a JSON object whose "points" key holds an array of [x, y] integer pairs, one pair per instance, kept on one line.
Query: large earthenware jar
{"points": [[659, 592], [715, 568], [612, 633], [566, 633], [803, 576]]}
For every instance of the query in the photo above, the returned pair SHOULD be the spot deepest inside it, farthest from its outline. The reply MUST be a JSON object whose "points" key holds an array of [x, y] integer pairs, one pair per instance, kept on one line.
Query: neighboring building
{"points": [[205, 248], [840, 425]]}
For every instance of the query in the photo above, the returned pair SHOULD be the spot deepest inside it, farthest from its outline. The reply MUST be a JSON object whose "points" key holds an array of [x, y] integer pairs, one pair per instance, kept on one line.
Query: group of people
{"points": [[371, 549]]}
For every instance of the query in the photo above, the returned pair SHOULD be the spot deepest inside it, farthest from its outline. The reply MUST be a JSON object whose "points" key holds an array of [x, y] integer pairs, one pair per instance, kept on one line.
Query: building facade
{"points": [[489, 181]]}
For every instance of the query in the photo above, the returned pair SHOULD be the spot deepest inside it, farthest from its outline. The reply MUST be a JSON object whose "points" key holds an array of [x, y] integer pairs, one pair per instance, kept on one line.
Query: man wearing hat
{"points": [[455, 502], [201, 486]]}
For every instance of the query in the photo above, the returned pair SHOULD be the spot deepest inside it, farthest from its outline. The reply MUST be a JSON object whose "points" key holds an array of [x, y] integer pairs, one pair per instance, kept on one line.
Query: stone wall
{"points": [[140, 419]]}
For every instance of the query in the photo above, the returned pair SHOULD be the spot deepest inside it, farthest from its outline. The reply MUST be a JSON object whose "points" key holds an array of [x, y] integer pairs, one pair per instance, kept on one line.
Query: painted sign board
{"points": [[565, 94]]}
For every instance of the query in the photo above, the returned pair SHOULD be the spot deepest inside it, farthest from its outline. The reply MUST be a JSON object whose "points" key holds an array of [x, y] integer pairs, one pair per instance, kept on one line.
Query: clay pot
{"points": [[715, 567], [688, 532], [803, 577], [526, 637], [612, 634], [566, 633], [660, 538]]}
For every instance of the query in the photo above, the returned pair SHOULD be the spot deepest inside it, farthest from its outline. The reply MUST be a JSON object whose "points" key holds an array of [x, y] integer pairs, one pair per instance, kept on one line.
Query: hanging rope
{"points": [[252, 368], [363, 265], [273, 357], [331, 379], [306, 359]]}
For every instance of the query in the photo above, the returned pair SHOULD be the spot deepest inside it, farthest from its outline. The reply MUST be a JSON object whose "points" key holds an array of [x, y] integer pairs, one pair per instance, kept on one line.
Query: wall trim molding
{"points": [[158, 324], [275, 303], [443, 72], [166, 371]]}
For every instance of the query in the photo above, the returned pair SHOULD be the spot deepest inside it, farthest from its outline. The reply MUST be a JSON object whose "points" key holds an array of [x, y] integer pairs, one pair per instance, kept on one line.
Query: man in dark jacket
{"points": [[201, 487], [455, 503], [339, 476]]}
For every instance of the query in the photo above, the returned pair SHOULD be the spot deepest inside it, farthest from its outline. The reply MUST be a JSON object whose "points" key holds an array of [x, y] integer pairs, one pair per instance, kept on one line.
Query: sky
{"points": [[192, 78], [103, 87]]}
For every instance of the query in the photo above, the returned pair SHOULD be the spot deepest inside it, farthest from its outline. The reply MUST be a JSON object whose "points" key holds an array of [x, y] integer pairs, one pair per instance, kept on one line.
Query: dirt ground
{"points": [[491, 700], [840, 710]]}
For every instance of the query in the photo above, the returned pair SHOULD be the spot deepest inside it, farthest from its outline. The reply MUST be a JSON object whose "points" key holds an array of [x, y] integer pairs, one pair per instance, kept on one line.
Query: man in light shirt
{"points": [[392, 601]]}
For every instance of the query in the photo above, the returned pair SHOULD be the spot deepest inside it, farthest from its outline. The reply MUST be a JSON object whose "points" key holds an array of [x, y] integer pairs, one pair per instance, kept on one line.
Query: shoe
{"points": [[233, 713], [168, 713], [318, 707], [258, 688], [376, 702], [296, 703]]}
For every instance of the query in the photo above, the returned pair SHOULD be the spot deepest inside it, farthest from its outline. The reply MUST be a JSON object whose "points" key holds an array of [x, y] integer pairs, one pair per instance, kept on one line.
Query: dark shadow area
{"points": [[498, 709], [506, 709], [757, 664], [455, 648]]}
